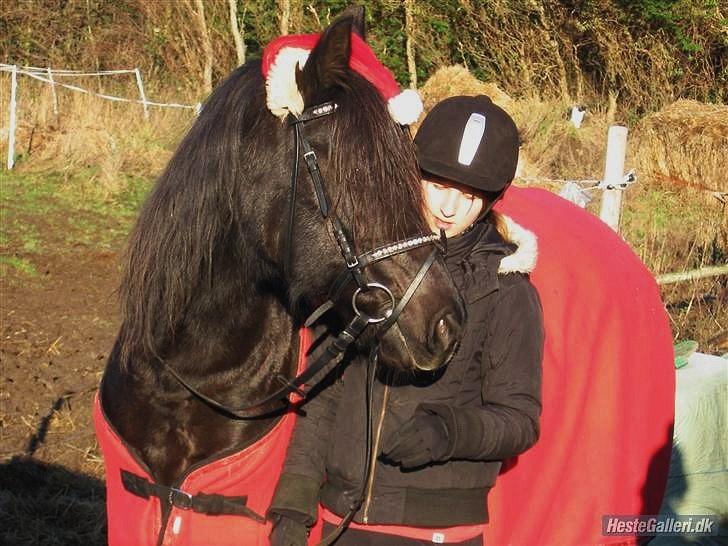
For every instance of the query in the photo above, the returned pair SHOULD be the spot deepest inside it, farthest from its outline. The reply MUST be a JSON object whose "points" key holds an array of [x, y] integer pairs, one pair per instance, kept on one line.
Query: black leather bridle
{"points": [[353, 270]]}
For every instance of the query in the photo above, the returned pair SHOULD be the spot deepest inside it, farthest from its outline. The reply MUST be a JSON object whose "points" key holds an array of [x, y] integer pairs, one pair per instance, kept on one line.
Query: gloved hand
{"points": [[423, 439], [288, 532]]}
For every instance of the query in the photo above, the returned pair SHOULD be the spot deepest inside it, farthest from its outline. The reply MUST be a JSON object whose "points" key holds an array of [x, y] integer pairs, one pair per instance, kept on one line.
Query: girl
{"points": [[439, 437]]}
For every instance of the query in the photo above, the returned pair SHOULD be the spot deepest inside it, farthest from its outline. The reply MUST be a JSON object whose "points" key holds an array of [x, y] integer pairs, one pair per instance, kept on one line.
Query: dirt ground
{"points": [[57, 328]]}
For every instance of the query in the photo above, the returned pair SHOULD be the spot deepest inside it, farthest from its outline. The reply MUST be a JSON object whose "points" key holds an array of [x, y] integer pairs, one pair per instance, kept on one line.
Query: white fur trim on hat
{"points": [[282, 93], [523, 260], [406, 107]]}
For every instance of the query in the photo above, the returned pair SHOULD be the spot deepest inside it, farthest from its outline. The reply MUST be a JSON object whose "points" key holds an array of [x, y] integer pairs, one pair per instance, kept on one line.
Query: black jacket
{"points": [[489, 395]]}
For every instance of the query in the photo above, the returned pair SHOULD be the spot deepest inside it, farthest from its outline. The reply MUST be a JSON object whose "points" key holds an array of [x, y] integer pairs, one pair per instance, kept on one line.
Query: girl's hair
{"points": [[495, 218]]}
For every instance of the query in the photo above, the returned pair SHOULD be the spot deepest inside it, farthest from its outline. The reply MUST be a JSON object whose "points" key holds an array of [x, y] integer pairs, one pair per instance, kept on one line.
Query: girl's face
{"points": [[450, 207]]}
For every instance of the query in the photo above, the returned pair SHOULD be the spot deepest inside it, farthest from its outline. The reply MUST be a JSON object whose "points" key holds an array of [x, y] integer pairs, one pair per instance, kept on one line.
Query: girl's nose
{"points": [[449, 204]]}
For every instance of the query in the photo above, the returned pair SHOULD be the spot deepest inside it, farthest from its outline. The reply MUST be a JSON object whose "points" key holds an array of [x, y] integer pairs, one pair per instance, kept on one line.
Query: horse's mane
{"points": [[194, 250]]}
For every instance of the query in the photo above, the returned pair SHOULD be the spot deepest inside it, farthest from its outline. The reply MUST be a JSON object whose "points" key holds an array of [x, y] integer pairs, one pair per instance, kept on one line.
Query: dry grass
{"points": [[109, 141], [677, 220]]}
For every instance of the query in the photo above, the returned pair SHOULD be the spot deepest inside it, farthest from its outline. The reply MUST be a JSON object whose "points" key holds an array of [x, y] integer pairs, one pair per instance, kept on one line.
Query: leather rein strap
{"points": [[277, 401]]}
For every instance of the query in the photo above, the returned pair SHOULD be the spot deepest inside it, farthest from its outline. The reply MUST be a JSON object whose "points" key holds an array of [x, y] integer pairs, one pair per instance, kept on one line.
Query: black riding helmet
{"points": [[470, 141]]}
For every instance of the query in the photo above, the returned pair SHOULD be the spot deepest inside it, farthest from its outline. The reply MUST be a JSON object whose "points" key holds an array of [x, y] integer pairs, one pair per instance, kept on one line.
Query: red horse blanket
{"points": [[252, 472], [608, 386]]}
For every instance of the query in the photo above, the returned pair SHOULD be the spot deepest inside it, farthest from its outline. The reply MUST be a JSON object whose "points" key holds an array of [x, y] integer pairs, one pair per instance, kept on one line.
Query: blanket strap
{"points": [[213, 504]]}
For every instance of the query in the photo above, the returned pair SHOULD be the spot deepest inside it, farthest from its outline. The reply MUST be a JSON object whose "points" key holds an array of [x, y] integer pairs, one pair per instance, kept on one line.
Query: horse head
{"points": [[371, 193]]}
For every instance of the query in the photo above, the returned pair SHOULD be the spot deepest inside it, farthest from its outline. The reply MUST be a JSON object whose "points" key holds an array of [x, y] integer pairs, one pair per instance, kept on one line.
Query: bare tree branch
{"points": [[409, 18], [199, 14], [235, 29], [285, 6]]}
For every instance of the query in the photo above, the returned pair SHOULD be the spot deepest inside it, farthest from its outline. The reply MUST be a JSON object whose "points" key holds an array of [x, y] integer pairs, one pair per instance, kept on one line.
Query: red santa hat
{"points": [[282, 55]]}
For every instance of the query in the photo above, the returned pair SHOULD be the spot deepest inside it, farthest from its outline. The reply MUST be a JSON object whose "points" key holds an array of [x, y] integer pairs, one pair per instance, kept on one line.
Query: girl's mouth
{"points": [[442, 224]]}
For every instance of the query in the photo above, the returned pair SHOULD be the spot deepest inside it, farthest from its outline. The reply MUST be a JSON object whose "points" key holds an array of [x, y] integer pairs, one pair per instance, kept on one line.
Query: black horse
{"points": [[207, 288]]}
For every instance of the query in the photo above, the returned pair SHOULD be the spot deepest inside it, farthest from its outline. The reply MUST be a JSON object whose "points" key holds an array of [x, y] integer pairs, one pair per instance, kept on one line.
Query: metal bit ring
{"points": [[386, 290]]}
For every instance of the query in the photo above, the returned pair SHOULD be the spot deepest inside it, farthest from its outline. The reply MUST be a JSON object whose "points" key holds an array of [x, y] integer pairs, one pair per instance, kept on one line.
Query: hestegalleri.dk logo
{"points": [[660, 525]]}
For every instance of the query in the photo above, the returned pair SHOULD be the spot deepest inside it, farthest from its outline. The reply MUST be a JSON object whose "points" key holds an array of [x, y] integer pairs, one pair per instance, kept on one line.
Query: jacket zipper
{"points": [[373, 460]]}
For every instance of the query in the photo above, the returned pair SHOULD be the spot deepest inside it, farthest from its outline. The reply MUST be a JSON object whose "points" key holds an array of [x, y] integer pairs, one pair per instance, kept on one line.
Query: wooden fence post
{"points": [[13, 117], [53, 90], [140, 85], [613, 176]]}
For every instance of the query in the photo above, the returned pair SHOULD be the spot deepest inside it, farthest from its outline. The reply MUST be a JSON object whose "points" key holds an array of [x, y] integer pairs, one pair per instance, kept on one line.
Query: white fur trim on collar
{"points": [[523, 260], [282, 93]]}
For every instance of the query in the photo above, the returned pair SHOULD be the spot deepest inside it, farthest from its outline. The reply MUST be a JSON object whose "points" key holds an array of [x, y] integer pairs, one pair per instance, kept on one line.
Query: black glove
{"points": [[288, 532], [423, 439]]}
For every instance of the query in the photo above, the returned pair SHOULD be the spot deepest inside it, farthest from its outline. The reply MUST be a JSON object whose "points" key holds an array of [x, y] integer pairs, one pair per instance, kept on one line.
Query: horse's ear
{"points": [[328, 64], [358, 24]]}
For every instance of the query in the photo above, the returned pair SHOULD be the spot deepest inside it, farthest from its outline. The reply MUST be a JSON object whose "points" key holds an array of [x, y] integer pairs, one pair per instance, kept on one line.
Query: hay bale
{"points": [[449, 81], [683, 145]]}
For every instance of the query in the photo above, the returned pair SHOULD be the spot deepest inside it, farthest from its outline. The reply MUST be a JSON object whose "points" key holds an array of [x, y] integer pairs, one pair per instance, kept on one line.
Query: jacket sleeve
{"points": [[296, 495], [507, 423]]}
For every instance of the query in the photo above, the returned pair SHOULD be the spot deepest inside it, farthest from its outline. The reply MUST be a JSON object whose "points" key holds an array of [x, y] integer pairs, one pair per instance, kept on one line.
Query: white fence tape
{"points": [[47, 74], [588, 184], [577, 191], [42, 75], [65, 72]]}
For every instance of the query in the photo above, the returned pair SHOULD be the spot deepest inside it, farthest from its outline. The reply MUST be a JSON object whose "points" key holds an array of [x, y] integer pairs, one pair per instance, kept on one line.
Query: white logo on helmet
{"points": [[470, 141]]}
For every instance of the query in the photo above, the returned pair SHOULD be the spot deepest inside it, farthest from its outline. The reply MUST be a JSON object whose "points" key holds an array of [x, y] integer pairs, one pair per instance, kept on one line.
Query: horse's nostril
{"points": [[443, 341], [445, 334], [442, 329]]}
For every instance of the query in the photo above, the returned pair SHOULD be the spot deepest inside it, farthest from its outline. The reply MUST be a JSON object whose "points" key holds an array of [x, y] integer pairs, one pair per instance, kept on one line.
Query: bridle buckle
{"points": [[180, 499], [352, 264]]}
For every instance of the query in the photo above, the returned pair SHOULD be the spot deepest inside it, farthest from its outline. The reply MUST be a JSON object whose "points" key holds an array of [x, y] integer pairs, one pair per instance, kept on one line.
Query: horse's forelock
{"points": [[374, 179]]}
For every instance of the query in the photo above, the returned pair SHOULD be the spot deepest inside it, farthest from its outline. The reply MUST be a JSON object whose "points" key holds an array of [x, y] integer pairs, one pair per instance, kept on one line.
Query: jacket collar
{"points": [[523, 259], [478, 257], [519, 246]]}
